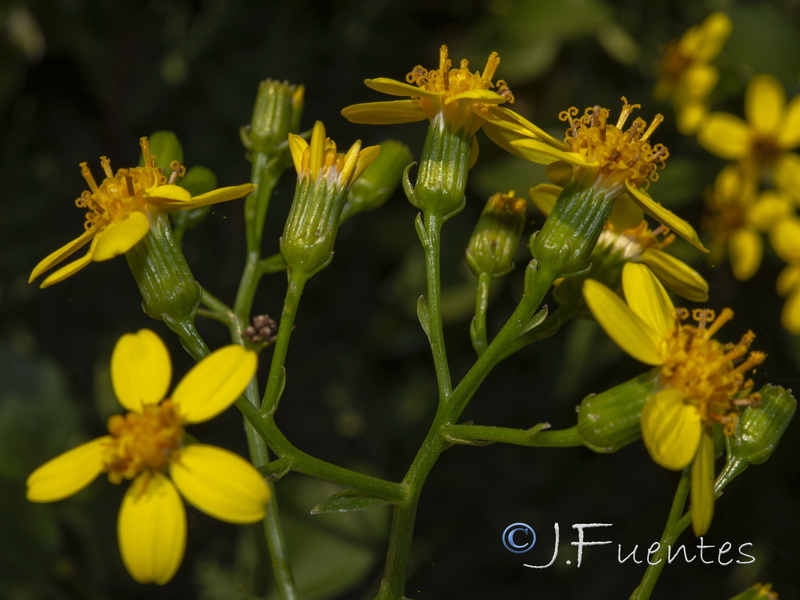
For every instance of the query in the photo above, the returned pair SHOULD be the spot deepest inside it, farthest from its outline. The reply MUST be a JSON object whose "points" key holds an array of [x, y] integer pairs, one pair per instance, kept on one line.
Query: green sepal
{"points": [[760, 428], [348, 501]]}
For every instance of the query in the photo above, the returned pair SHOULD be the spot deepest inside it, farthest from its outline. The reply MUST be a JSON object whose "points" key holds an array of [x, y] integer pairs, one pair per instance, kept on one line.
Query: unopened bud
{"points": [[276, 114], [760, 428], [496, 236]]}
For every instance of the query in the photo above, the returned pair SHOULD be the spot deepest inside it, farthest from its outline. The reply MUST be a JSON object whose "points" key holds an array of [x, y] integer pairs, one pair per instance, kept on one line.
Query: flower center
{"points": [[119, 195], [142, 441], [622, 154], [709, 374], [764, 149]]}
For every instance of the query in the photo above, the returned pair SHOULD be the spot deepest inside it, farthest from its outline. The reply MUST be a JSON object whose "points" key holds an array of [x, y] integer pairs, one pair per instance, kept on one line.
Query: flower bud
{"points": [[610, 420], [496, 236], [276, 114], [379, 180], [760, 428], [443, 171]]}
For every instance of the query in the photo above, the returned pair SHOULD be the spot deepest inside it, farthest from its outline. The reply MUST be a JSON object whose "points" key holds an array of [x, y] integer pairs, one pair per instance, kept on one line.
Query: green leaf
{"points": [[348, 501], [424, 316]]}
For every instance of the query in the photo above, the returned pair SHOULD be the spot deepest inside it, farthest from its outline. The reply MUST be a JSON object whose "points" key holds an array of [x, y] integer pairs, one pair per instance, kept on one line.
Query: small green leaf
{"points": [[424, 316], [348, 501]]}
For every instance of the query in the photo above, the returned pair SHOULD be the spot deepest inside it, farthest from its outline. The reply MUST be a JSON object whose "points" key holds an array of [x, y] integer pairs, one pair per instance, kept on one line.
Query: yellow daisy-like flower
{"points": [[458, 95], [738, 218], [627, 237], [147, 446], [700, 380], [785, 239], [607, 157], [120, 210], [686, 75], [772, 127]]}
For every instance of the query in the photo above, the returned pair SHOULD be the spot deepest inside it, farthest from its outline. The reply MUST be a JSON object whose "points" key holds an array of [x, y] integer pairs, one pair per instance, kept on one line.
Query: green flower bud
{"points": [[379, 180], [276, 114], [570, 233], [760, 428], [496, 236], [443, 170], [610, 420], [323, 180], [169, 291]]}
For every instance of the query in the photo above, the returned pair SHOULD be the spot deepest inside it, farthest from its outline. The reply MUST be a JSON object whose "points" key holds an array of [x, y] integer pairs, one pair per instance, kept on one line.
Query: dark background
{"points": [[84, 79]]}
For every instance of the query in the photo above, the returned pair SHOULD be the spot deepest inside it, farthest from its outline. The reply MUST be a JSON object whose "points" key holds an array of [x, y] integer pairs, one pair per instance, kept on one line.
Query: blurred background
{"points": [[81, 79]]}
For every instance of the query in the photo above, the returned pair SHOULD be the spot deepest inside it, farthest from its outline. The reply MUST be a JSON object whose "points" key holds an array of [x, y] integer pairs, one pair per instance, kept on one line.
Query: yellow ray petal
{"points": [[789, 133], [503, 117], [764, 102], [788, 280], [393, 87], [629, 332], [745, 248], [476, 95], [790, 314], [670, 429], [71, 268], [220, 483], [725, 136], [544, 197], [68, 473], [625, 214], [152, 529], [62, 253], [168, 193], [665, 216], [223, 194], [117, 238], [141, 369], [389, 112], [648, 299], [214, 383], [702, 485], [676, 275], [297, 147]]}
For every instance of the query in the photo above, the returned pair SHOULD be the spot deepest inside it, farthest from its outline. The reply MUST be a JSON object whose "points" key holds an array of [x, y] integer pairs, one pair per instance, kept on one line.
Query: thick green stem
{"points": [[677, 522]]}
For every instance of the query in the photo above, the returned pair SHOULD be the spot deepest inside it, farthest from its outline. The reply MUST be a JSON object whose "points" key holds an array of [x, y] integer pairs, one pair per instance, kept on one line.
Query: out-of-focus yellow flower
{"points": [[762, 141], [738, 217], [687, 76], [147, 446], [700, 380], [120, 211], [785, 239], [458, 95], [609, 158], [627, 237]]}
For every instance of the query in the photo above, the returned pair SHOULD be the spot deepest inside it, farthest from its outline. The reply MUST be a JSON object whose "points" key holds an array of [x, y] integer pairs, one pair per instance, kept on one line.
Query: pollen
{"points": [[622, 154], [142, 441], [710, 375], [122, 193]]}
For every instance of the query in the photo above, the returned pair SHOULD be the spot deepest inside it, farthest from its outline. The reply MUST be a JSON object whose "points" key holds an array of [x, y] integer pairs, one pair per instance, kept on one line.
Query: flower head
{"points": [[686, 73], [459, 95], [701, 381], [119, 211], [147, 446], [610, 158], [772, 127]]}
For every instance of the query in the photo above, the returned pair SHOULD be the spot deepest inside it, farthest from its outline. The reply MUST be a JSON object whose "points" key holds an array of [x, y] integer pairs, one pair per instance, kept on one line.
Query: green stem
{"points": [[536, 436], [432, 246], [479, 337], [677, 522]]}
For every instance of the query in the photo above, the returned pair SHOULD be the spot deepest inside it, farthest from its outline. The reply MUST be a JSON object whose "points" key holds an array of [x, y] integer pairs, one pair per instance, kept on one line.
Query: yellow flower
{"points": [[772, 127], [686, 75], [627, 237], [700, 380], [785, 239], [738, 217], [147, 446], [121, 208], [459, 95], [609, 158]]}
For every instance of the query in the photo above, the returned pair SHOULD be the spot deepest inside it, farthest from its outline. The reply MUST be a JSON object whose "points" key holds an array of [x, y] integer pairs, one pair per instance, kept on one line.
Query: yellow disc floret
{"points": [[709, 375], [142, 441], [621, 154]]}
